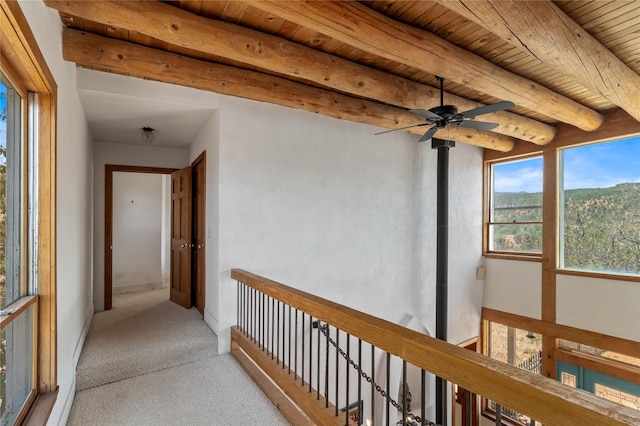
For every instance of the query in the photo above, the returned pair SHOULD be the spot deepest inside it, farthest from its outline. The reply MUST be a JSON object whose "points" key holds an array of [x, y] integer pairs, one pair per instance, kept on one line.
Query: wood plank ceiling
{"points": [[567, 62]]}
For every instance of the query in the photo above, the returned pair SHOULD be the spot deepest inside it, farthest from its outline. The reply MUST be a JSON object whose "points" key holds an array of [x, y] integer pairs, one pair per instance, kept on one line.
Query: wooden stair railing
{"points": [[538, 397]]}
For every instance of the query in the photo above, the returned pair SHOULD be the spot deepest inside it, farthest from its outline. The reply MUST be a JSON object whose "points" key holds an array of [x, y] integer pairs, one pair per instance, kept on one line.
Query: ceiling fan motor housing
{"points": [[447, 112]]}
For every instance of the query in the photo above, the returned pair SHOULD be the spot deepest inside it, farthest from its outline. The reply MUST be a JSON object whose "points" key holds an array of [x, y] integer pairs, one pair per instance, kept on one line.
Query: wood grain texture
{"points": [[280, 56], [125, 58], [375, 33], [314, 407], [544, 399], [565, 46]]}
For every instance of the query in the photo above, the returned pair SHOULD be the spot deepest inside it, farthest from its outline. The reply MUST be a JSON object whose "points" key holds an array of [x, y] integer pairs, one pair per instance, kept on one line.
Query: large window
{"points": [[28, 380], [600, 207], [17, 381], [515, 213]]}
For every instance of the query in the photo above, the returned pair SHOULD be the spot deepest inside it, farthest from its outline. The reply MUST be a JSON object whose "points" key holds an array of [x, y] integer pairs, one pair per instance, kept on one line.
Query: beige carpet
{"points": [[151, 362], [144, 332]]}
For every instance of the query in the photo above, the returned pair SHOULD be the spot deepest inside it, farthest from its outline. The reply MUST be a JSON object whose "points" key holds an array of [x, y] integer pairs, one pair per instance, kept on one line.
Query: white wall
{"points": [[129, 155], [595, 304], [605, 306], [325, 206], [74, 206], [137, 231], [513, 286], [208, 141]]}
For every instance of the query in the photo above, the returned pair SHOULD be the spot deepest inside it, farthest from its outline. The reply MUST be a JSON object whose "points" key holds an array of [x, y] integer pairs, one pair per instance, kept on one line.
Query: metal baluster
{"points": [[302, 354], [468, 406], [238, 303], [326, 368], [360, 408], [284, 314], [347, 379], [295, 348], [423, 391], [318, 360], [373, 383], [251, 314], [498, 415], [404, 393], [264, 319], [278, 335], [310, 351], [337, 370], [387, 384], [289, 342], [273, 325]]}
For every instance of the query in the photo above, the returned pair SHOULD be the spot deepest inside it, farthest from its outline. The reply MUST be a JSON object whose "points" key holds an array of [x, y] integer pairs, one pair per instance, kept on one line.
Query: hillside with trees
{"points": [[601, 226]]}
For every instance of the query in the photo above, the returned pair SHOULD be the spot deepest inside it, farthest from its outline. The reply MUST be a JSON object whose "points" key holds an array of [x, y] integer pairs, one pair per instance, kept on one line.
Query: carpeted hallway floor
{"points": [[151, 362]]}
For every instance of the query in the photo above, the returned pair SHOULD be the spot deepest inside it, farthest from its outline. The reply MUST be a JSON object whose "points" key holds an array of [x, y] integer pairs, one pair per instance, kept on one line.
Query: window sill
{"points": [[526, 257], [41, 409]]}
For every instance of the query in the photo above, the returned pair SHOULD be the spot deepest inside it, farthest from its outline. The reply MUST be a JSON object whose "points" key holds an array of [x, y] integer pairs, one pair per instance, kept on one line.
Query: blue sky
{"points": [[600, 165]]}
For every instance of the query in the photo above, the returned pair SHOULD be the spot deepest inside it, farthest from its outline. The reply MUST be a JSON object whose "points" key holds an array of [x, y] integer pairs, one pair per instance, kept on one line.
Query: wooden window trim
{"points": [[20, 53]]}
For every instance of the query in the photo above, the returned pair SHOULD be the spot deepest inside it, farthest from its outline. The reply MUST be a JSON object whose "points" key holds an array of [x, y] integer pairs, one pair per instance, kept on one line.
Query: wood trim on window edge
{"points": [[26, 59]]}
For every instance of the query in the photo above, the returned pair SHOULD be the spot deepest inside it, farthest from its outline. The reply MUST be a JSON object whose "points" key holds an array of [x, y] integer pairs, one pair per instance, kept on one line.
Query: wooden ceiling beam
{"points": [[120, 57], [287, 58], [564, 46], [366, 29]]}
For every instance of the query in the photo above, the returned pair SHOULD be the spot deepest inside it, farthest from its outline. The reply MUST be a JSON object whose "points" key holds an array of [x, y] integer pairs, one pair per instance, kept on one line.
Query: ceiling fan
{"points": [[447, 115]]}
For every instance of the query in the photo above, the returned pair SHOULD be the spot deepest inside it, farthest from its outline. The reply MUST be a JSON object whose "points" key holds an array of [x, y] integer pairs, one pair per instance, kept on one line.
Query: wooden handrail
{"points": [[539, 397]]}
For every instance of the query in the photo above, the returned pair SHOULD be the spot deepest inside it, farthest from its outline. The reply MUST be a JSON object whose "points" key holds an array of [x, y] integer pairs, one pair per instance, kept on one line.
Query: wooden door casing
{"points": [[199, 232]]}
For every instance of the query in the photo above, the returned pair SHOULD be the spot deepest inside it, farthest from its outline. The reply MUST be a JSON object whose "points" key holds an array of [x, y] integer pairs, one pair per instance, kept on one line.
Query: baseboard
{"points": [[83, 336], [224, 338], [77, 351]]}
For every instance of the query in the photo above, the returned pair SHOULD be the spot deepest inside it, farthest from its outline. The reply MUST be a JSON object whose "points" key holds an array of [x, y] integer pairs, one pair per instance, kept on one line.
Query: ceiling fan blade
{"points": [[426, 114], [480, 125], [500, 106], [432, 131], [402, 128]]}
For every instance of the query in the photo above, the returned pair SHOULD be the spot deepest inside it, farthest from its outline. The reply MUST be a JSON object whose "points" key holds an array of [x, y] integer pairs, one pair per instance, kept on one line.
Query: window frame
{"points": [[23, 62], [488, 184]]}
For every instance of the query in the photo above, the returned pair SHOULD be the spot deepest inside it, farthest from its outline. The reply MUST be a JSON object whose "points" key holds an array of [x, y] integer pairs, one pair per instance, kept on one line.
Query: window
{"points": [[515, 213], [27, 225], [17, 381], [600, 214], [517, 347]]}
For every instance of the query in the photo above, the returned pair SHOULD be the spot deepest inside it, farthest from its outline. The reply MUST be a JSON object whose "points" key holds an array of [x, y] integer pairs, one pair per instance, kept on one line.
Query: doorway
{"points": [[192, 273]]}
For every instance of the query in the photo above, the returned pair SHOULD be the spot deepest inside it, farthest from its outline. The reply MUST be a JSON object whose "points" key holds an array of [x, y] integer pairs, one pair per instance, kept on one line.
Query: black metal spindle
{"points": [[404, 393], [318, 360], [295, 347], [262, 338], [252, 314], [360, 408], [498, 415], [346, 396], [468, 408], [337, 368], [273, 325], [244, 310], [284, 314], [238, 303], [289, 342], [423, 391], [278, 334], [373, 383], [326, 370], [387, 384]]}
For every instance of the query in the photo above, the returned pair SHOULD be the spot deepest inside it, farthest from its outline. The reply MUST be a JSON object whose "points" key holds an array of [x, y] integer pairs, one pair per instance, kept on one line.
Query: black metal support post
{"points": [[442, 262]]}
